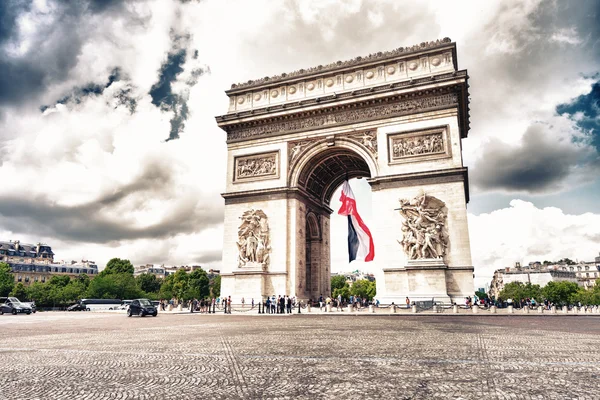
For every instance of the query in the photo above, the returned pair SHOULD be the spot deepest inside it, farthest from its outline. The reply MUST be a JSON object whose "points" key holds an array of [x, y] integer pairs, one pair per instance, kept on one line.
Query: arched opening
{"points": [[318, 173]]}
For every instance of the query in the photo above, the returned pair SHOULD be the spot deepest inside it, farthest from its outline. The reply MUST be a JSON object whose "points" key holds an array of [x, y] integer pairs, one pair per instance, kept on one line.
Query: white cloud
{"points": [[525, 233]]}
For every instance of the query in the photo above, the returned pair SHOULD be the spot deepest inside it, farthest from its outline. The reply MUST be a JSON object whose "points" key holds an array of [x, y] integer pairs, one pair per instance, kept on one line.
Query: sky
{"points": [[109, 147]]}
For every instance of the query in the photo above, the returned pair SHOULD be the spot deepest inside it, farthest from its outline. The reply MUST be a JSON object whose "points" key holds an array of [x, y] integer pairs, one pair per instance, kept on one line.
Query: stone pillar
{"points": [[511, 310], [553, 310], [493, 309], [455, 309], [170, 307], [328, 308], [349, 308], [565, 309], [308, 308], [475, 309], [393, 309], [540, 310], [414, 309], [180, 307], [526, 310], [371, 309]]}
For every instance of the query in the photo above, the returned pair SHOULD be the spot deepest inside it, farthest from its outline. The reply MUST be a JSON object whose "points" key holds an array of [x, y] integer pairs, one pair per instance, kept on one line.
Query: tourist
{"points": [[253, 302], [321, 302], [243, 301], [407, 302], [229, 305], [193, 305]]}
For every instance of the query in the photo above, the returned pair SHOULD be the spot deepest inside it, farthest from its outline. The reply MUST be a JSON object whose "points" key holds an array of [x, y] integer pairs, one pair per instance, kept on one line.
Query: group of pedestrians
{"points": [[280, 305]]}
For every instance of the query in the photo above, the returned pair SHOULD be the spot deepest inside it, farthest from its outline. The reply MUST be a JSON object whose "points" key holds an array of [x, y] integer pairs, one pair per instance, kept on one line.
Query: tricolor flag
{"points": [[360, 241]]}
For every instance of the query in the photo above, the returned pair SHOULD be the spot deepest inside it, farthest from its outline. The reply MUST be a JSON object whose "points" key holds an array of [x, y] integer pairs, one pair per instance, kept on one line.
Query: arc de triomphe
{"points": [[396, 118]]}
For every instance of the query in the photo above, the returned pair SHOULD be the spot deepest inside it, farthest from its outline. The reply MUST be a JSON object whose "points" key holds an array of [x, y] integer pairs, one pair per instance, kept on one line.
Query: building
{"points": [[17, 252], [162, 271], [28, 273], [538, 274], [395, 117], [587, 273], [35, 263]]}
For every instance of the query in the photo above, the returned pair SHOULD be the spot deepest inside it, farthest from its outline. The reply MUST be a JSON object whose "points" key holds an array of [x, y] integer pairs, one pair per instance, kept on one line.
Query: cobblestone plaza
{"points": [[192, 356]]}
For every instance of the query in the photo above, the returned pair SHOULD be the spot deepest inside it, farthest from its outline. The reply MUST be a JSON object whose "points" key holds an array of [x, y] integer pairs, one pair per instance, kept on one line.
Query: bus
{"points": [[100, 304]]}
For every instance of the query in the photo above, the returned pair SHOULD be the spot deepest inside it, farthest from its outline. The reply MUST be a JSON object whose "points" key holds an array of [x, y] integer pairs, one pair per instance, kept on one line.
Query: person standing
{"points": [[407, 302], [229, 305], [243, 301], [321, 302], [288, 304]]}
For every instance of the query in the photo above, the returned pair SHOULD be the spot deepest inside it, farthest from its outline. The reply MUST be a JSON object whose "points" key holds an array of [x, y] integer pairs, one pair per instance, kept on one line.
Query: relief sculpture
{"points": [[424, 228], [256, 166], [253, 240], [417, 145]]}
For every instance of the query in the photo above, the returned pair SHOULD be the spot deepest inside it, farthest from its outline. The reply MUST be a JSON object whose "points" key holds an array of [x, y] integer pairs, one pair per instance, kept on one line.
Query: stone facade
{"points": [[398, 119]]}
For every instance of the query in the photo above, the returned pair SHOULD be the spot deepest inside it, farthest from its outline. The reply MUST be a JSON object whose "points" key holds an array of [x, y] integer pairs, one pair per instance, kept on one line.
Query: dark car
{"points": [[141, 307], [77, 307], [12, 305]]}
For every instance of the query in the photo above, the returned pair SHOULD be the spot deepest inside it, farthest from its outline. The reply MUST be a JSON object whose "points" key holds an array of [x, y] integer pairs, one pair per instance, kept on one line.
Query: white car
{"points": [[125, 305]]}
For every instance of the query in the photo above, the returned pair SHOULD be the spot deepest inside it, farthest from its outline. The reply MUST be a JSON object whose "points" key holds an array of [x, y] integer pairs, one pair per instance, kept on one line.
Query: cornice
{"points": [[340, 114], [336, 97], [341, 65]]}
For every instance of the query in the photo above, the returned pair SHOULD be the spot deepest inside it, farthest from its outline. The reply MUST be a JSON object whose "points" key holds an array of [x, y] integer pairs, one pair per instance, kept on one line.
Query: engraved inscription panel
{"points": [[427, 144], [256, 167]]}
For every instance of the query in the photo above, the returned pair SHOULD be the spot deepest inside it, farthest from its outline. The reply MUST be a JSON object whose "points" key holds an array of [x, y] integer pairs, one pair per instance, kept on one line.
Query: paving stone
{"points": [[108, 356]]}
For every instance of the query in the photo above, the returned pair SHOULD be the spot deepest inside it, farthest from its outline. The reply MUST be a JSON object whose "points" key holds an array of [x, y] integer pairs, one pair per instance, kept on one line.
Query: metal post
{"points": [[299, 308]]}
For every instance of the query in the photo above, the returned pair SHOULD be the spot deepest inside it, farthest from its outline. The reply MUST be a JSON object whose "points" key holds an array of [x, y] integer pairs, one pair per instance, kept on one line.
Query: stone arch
{"points": [[332, 162]]}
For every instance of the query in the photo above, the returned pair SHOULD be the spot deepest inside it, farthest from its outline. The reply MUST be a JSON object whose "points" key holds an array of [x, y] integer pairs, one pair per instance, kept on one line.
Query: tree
{"points": [[148, 283], [19, 292], [166, 289], [118, 266], [519, 290], [338, 282], [114, 286], [197, 285], [481, 295], [215, 286], [344, 292], [363, 288], [560, 293], [7, 280], [40, 293]]}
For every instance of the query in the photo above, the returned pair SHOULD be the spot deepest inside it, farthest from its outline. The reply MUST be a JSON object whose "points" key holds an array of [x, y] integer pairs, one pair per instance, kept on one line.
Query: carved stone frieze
{"points": [[367, 138], [254, 240], [425, 144], [338, 64], [425, 234], [256, 166], [345, 116], [295, 149]]}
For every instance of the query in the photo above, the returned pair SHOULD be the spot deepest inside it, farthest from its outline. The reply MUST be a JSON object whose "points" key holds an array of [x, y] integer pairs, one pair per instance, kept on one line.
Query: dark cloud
{"points": [[539, 164], [78, 94], [163, 96], [162, 93], [52, 52], [89, 222], [588, 107]]}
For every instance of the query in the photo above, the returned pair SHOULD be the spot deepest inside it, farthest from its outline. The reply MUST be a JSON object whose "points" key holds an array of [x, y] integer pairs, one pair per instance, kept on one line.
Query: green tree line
{"points": [[558, 292], [362, 287], [115, 281]]}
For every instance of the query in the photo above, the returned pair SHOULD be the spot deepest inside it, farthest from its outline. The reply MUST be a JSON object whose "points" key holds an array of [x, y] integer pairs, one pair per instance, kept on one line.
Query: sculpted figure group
{"points": [[253, 238], [427, 144], [424, 227], [256, 167]]}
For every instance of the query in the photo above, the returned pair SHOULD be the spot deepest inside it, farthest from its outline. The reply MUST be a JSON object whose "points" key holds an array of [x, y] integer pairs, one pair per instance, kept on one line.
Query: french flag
{"points": [[360, 241]]}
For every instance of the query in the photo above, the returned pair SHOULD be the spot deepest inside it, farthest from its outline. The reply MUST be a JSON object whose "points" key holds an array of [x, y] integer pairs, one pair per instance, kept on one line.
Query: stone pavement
{"points": [[192, 356]]}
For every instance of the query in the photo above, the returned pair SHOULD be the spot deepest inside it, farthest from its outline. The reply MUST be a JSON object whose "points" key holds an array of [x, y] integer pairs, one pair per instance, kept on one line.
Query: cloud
{"points": [[549, 158], [524, 233], [585, 112]]}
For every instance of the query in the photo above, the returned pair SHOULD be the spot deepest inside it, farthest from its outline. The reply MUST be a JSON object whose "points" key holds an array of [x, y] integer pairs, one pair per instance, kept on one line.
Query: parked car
{"points": [[31, 305], [78, 307], [12, 305], [141, 307], [125, 305]]}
